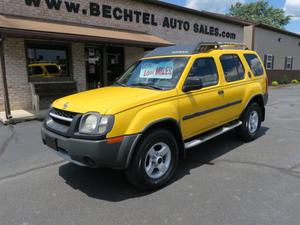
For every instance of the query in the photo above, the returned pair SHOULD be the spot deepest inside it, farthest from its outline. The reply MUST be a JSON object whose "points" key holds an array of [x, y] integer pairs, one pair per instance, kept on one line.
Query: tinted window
{"points": [[254, 64], [35, 70], [232, 67], [52, 69], [205, 69]]}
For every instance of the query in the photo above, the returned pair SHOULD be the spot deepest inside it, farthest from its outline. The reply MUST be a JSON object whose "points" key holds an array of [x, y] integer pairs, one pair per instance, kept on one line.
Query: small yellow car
{"points": [[172, 100], [43, 70]]}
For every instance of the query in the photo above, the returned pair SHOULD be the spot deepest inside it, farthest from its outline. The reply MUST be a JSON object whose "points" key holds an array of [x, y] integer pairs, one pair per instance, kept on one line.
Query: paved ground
{"points": [[222, 182]]}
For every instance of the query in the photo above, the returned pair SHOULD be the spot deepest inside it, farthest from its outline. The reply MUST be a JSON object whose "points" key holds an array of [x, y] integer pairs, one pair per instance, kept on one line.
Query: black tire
{"points": [[137, 173], [244, 131]]}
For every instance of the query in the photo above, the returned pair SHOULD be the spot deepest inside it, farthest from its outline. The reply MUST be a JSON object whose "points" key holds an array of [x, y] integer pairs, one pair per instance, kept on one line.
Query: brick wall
{"points": [[17, 81], [78, 59], [133, 54], [283, 75], [18, 7]]}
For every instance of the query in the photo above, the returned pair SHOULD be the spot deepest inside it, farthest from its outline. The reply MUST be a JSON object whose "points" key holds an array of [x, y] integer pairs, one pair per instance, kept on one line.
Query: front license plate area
{"points": [[51, 142]]}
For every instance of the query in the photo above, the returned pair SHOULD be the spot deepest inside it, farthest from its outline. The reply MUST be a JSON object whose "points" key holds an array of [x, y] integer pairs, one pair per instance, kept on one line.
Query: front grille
{"points": [[60, 121], [63, 113]]}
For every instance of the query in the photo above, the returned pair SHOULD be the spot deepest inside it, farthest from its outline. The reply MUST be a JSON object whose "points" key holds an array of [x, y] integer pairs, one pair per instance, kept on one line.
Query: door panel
{"points": [[201, 111], [235, 85], [233, 95]]}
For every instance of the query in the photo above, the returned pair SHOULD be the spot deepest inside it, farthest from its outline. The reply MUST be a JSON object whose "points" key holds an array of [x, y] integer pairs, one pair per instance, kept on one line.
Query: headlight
{"points": [[95, 124]]}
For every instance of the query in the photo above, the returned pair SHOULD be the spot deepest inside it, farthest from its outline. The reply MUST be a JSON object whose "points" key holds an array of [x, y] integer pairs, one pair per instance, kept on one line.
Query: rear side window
{"points": [[35, 70], [52, 69], [254, 64], [206, 70], [232, 67]]}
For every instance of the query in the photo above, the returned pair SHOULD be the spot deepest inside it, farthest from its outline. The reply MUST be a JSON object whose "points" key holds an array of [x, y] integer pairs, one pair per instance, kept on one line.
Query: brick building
{"points": [[53, 43]]}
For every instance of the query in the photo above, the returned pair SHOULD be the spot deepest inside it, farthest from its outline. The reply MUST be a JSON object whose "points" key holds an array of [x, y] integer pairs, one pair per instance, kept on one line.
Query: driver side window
{"points": [[204, 69]]}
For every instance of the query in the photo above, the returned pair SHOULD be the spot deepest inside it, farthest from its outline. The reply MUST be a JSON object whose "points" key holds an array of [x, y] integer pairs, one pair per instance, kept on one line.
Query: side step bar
{"points": [[212, 135]]}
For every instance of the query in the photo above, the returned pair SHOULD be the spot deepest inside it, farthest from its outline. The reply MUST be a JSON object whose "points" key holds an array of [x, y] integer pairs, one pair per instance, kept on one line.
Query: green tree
{"points": [[260, 12]]}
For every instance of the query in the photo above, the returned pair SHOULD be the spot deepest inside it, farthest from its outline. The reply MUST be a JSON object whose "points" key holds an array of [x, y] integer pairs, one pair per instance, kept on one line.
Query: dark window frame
{"points": [[254, 72], [239, 58], [51, 45], [217, 71]]}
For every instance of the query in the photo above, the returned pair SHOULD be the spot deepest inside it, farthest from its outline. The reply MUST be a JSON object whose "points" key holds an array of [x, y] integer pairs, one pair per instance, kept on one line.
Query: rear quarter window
{"points": [[254, 64]]}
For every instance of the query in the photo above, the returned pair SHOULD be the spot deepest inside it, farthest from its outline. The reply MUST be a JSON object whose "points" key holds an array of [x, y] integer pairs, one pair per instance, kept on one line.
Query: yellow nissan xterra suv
{"points": [[43, 70], [166, 103]]}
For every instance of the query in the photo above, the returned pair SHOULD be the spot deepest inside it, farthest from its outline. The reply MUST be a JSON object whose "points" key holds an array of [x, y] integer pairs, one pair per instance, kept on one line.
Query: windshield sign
{"points": [[162, 70], [160, 74]]}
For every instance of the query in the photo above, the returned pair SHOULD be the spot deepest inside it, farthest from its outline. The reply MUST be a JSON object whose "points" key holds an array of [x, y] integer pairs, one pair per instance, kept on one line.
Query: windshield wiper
{"points": [[120, 84], [146, 86]]}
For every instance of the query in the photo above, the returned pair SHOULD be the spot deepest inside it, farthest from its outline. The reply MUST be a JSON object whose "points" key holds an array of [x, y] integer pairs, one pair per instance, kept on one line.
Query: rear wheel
{"points": [[155, 160], [251, 119]]}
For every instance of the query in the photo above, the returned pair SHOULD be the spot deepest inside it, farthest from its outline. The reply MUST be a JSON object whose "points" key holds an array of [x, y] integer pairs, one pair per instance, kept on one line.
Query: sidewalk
{"points": [[22, 116]]}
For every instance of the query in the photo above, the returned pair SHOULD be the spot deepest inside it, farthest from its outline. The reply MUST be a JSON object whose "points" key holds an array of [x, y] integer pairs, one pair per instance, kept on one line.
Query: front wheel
{"points": [[155, 160], [251, 119]]}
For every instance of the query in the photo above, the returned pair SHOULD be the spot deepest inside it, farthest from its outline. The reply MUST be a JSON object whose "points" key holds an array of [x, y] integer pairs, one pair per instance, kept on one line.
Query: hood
{"points": [[109, 100]]}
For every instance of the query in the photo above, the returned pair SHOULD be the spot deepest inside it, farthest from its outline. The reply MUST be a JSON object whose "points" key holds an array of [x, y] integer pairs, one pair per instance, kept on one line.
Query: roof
{"points": [[268, 27], [38, 28], [202, 13], [195, 48], [173, 50]]}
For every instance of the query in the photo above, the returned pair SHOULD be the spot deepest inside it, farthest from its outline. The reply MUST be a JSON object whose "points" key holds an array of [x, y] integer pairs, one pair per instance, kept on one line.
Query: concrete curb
{"points": [[21, 116]]}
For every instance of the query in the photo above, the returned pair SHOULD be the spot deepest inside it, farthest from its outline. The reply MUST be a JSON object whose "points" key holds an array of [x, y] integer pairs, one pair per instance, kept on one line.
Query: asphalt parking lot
{"points": [[221, 182]]}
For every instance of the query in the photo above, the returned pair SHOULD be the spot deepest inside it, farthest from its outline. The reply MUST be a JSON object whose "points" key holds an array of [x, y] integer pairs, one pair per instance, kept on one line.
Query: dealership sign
{"points": [[128, 15]]}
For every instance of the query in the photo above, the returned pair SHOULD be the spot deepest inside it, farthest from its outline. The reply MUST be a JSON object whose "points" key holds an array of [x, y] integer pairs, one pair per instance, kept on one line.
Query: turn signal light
{"points": [[115, 140]]}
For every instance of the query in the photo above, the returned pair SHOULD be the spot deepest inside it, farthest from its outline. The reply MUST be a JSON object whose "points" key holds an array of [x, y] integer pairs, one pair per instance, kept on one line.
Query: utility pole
{"points": [[4, 80]]}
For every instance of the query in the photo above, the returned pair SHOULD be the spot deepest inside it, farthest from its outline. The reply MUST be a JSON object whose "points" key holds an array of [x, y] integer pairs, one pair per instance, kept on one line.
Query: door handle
{"points": [[221, 92]]}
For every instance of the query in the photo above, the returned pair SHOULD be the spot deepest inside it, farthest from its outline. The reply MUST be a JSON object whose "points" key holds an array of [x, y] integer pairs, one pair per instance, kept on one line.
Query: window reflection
{"points": [[47, 62]]}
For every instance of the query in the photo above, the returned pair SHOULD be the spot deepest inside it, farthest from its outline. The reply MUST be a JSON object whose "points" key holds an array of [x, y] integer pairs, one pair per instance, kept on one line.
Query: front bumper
{"points": [[91, 153]]}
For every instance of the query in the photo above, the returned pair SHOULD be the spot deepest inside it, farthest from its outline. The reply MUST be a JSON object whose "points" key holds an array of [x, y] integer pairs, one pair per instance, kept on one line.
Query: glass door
{"points": [[115, 63], [104, 64], [94, 67]]}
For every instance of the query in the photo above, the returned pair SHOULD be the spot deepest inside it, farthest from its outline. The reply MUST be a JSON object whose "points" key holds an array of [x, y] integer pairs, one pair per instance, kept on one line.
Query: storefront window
{"points": [[47, 61]]}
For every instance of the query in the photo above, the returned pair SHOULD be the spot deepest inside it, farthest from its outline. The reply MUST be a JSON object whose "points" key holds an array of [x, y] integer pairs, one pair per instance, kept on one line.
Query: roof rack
{"points": [[195, 48], [207, 46]]}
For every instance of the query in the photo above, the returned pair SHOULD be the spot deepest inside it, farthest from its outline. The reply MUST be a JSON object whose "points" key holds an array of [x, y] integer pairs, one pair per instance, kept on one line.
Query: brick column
{"points": [[78, 59], [17, 78]]}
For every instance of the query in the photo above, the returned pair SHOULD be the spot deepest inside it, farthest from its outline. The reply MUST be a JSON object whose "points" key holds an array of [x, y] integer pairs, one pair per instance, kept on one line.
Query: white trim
{"points": [[269, 62]]}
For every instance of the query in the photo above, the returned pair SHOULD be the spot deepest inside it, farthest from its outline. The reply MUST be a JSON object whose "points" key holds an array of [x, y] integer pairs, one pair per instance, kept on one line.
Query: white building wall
{"points": [[267, 42]]}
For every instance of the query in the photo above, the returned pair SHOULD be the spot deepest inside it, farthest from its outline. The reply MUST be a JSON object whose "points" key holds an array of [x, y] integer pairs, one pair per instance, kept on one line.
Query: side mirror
{"points": [[192, 84]]}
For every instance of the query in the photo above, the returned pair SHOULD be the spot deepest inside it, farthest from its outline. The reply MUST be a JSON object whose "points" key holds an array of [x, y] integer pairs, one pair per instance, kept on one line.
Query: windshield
{"points": [[160, 74]]}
